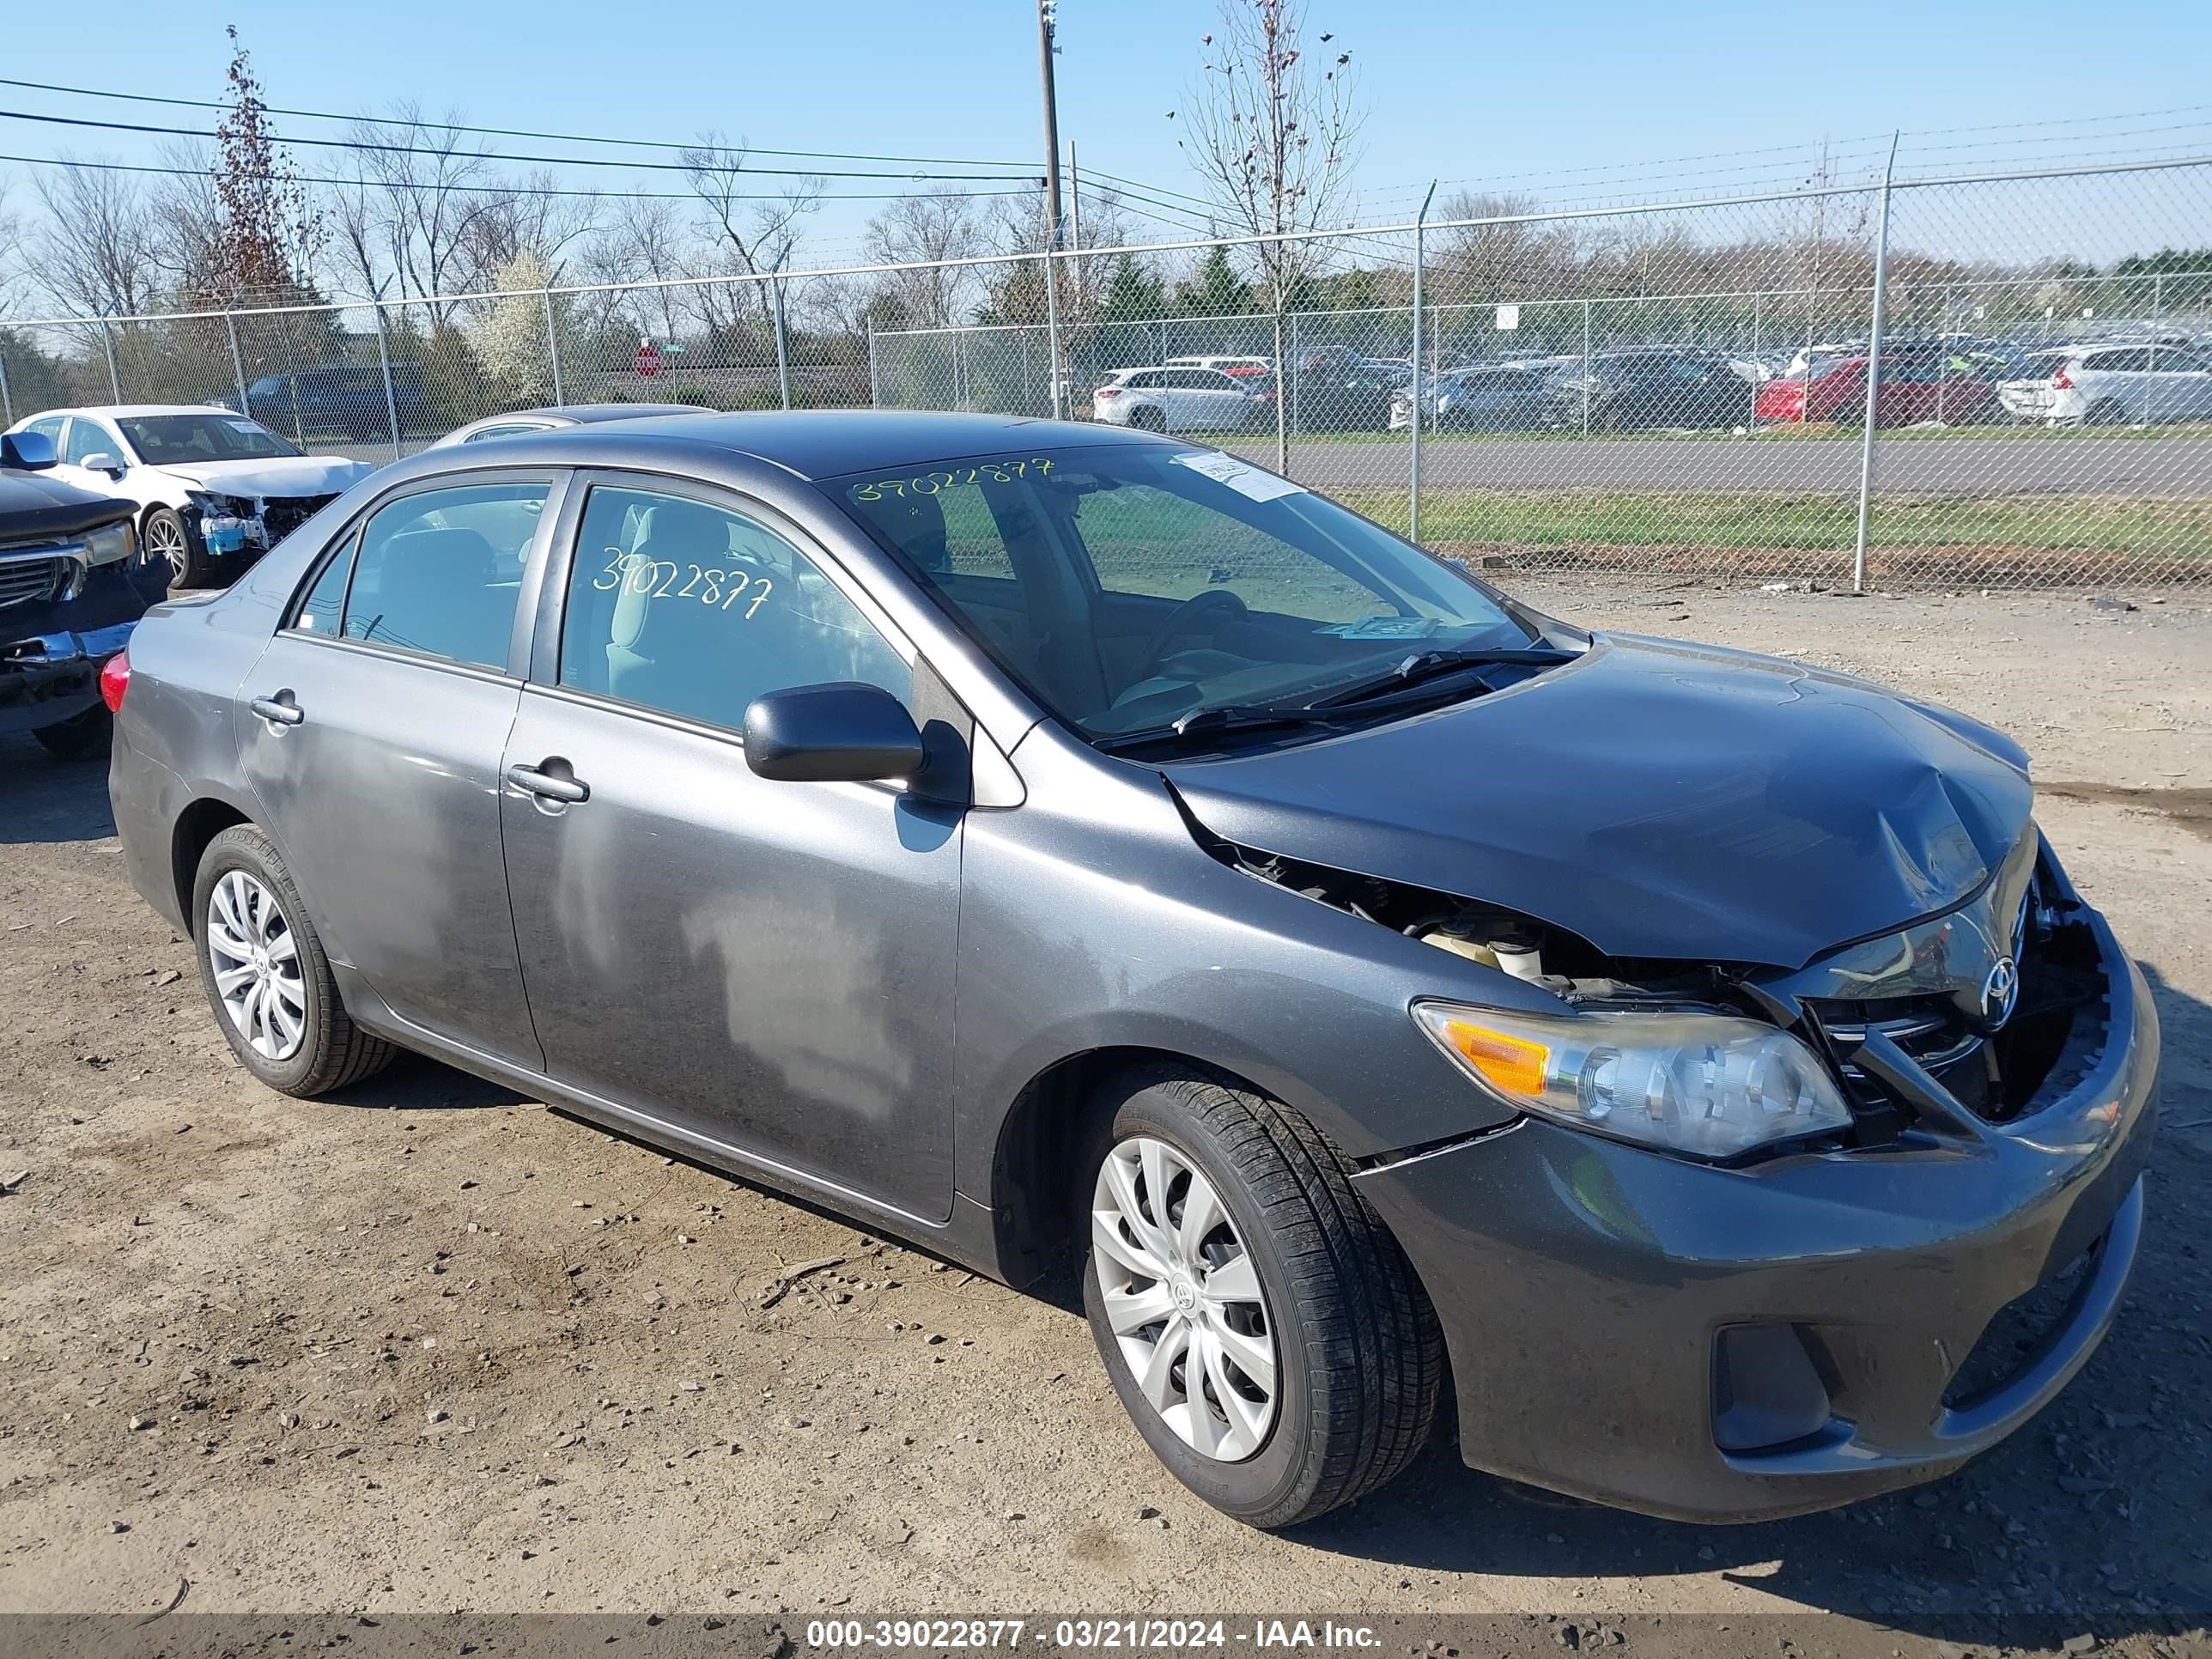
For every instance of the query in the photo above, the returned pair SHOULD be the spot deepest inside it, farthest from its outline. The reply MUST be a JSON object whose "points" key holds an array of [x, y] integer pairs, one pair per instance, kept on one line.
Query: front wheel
{"points": [[168, 540], [266, 977], [1262, 1326]]}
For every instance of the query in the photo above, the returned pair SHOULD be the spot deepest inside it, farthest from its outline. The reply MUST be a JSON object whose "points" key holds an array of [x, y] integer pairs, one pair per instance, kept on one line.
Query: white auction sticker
{"points": [[1240, 475]]}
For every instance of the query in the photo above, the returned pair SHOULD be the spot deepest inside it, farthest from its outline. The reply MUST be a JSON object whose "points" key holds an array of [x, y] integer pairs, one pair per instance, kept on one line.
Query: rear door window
{"points": [[436, 572]]}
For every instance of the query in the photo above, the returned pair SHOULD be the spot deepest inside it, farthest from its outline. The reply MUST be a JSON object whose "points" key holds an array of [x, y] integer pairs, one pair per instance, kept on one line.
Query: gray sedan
{"points": [[1033, 839]]}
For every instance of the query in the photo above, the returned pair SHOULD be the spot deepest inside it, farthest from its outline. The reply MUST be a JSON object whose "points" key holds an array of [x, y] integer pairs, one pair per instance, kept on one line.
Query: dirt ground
{"points": [[433, 1347]]}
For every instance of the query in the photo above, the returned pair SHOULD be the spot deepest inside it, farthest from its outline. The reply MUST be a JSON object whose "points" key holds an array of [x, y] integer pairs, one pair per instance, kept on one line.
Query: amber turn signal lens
{"points": [[1511, 1064]]}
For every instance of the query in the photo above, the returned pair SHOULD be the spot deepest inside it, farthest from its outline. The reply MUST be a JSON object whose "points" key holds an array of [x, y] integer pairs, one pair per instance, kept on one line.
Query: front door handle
{"points": [[546, 787], [280, 709]]}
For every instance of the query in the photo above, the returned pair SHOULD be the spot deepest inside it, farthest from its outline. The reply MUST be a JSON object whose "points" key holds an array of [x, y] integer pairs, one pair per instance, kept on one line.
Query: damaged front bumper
{"points": [[1727, 1344]]}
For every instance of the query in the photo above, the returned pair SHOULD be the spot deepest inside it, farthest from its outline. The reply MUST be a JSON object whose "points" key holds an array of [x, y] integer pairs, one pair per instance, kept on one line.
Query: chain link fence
{"points": [[1704, 389]]}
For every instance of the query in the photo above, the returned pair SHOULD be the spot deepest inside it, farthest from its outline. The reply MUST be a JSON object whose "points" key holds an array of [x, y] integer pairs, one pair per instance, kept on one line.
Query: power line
{"points": [[495, 132], [499, 155], [491, 190]]}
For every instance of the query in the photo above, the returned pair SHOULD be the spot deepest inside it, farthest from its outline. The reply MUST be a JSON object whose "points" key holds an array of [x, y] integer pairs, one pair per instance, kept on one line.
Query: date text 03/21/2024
{"points": [[1110, 1634]]}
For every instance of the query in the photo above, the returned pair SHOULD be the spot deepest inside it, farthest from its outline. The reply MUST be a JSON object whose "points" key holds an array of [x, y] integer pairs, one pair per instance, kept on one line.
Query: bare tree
{"points": [[530, 220], [412, 212], [1271, 131], [643, 240], [98, 252], [758, 233], [927, 231]]}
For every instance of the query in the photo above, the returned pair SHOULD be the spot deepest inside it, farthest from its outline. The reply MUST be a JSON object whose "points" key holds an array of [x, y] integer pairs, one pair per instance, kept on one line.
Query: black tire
{"points": [[168, 538], [1146, 418], [2107, 411], [1360, 1358], [333, 1051], [84, 736]]}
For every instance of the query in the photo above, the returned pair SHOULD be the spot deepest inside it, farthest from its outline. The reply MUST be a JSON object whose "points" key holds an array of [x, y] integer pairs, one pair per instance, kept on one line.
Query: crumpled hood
{"points": [[1659, 800], [281, 478], [34, 506]]}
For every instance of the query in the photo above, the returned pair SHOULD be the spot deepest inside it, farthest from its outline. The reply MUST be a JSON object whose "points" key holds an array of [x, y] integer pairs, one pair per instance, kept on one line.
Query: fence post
{"points": [[1942, 353], [107, 339], [1420, 398], [384, 358], [553, 347], [1052, 329], [7, 403], [875, 391], [1873, 373], [782, 357], [1586, 368], [2157, 303], [237, 363], [1287, 376]]}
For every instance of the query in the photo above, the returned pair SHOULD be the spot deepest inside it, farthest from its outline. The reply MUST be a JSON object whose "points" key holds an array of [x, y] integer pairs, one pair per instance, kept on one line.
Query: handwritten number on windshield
{"points": [[935, 483]]}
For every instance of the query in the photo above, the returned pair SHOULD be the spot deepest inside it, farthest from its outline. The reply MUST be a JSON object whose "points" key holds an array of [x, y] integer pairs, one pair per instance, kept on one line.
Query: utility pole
{"points": [[1052, 224], [1045, 23]]}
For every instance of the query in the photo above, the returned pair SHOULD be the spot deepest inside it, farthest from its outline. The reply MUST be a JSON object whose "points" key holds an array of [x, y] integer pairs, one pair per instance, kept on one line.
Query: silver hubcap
{"points": [[256, 961], [1182, 1295], [165, 540]]}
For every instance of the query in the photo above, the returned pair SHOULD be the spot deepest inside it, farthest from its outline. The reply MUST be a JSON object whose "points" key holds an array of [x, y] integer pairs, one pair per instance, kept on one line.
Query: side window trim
{"points": [[550, 601]]}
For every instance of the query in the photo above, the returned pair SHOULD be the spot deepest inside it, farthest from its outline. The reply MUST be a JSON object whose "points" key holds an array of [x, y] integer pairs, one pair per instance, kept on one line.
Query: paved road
{"points": [[2065, 463]]}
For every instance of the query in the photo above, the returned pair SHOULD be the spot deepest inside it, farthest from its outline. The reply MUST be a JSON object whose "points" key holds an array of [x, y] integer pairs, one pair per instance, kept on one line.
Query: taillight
{"points": [[114, 681], [2060, 380], [1107, 392]]}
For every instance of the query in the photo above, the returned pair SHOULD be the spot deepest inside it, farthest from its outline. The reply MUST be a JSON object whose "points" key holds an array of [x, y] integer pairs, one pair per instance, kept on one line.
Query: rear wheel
{"points": [[1262, 1326], [168, 540], [2107, 411], [265, 975], [83, 735], [1147, 418]]}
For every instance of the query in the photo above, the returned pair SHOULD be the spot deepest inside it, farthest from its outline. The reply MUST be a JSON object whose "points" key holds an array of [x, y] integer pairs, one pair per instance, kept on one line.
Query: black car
{"points": [[72, 589], [1337, 390], [1653, 387], [345, 397]]}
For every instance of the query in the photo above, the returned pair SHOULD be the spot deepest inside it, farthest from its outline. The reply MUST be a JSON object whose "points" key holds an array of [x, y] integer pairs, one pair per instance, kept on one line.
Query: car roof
{"points": [[811, 444], [117, 410], [587, 412]]}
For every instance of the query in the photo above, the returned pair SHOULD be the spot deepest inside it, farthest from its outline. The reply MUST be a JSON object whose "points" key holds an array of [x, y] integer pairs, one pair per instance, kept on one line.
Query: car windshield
{"points": [[181, 440], [1128, 587]]}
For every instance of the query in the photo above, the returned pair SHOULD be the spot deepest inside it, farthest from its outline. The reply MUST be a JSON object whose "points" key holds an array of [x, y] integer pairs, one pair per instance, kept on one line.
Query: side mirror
{"points": [[32, 452], [840, 732], [101, 461]]}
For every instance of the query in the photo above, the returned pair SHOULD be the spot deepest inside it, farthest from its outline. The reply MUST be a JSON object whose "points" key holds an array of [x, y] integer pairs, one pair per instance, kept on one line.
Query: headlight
{"points": [[1708, 1084], [109, 545]]}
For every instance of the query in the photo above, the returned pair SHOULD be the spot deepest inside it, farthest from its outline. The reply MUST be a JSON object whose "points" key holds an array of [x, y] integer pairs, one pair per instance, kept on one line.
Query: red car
{"points": [[1917, 384]]}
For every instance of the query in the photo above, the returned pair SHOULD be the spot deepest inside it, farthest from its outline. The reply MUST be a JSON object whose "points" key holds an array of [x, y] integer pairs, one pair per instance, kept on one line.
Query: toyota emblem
{"points": [[2000, 991]]}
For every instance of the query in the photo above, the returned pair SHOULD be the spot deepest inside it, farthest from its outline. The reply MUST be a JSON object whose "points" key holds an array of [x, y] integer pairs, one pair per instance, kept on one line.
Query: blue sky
{"points": [[1527, 93]]}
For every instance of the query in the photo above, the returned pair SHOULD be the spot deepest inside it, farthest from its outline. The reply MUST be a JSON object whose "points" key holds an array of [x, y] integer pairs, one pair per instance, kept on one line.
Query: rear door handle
{"points": [[546, 787], [279, 709]]}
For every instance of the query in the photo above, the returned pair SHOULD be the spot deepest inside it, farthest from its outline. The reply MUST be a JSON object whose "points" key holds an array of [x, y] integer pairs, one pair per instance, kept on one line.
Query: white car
{"points": [[213, 489], [1170, 399], [2124, 384]]}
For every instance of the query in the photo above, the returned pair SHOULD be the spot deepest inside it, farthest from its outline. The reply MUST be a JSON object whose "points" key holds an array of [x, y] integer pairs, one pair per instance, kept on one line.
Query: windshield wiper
{"points": [[1435, 664], [1221, 720]]}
